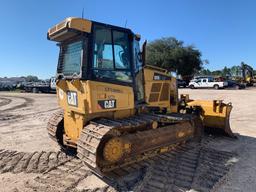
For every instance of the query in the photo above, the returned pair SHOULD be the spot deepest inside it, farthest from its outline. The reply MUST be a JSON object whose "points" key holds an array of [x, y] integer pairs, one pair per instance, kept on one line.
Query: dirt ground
{"points": [[242, 176], [31, 161]]}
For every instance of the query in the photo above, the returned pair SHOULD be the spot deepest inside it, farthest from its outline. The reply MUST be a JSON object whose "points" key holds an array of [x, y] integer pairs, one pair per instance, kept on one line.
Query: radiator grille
{"points": [[157, 95], [156, 87], [153, 97], [165, 92]]}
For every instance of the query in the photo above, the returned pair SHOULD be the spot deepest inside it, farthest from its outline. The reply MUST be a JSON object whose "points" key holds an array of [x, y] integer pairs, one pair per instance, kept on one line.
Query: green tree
{"points": [[171, 54], [226, 72], [204, 72], [235, 70], [31, 78], [217, 73]]}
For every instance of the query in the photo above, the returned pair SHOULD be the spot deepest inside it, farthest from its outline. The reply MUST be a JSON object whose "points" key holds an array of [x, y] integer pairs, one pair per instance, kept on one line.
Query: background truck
{"points": [[41, 86], [207, 83]]}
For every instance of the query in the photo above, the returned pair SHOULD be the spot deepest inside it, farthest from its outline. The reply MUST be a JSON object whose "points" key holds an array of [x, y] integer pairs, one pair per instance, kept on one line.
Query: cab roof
{"points": [[71, 26]]}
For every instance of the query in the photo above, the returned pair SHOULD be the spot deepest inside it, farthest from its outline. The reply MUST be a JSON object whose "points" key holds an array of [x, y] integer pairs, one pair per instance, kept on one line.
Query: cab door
{"points": [[112, 69]]}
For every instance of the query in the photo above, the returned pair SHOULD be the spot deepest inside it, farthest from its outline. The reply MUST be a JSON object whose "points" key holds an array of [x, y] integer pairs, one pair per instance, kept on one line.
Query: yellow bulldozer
{"points": [[116, 110]]}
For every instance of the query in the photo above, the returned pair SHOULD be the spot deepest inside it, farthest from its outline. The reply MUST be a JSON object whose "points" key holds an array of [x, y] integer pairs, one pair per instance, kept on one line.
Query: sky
{"points": [[223, 30]]}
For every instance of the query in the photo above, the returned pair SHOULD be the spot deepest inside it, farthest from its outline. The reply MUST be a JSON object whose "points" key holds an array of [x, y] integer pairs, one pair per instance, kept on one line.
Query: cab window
{"points": [[121, 50], [70, 60], [210, 80], [111, 57], [103, 52]]}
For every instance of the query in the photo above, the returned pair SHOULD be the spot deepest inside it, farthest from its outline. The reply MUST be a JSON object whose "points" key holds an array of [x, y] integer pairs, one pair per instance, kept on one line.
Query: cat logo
{"points": [[72, 98], [107, 104]]}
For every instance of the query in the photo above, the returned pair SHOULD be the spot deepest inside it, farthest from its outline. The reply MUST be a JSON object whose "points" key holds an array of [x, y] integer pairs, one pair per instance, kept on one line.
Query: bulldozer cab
{"points": [[99, 52]]}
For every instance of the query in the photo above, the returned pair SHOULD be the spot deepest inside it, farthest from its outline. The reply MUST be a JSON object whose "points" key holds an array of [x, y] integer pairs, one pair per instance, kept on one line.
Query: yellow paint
{"points": [[62, 31], [72, 23], [154, 124], [149, 72], [181, 134], [88, 95], [113, 150], [214, 113], [164, 149], [80, 24], [127, 146]]}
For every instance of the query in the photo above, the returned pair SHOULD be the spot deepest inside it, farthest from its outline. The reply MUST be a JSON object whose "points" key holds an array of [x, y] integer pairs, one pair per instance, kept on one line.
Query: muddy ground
{"points": [[31, 161]]}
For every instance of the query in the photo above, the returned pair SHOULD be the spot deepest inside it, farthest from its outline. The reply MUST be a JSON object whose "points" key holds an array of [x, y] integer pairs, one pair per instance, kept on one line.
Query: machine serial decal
{"points": [[107, 104], [109, 89], [72, 98]]}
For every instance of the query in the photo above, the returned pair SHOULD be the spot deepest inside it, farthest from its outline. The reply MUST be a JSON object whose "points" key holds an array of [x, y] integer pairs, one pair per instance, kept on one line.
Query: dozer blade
{"points": [[215, 115]]}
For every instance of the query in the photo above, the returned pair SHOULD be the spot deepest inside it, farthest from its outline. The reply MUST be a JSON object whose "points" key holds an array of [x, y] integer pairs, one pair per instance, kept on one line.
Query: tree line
{"points": [[173, 55], [186, 60], [233, 71]]}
